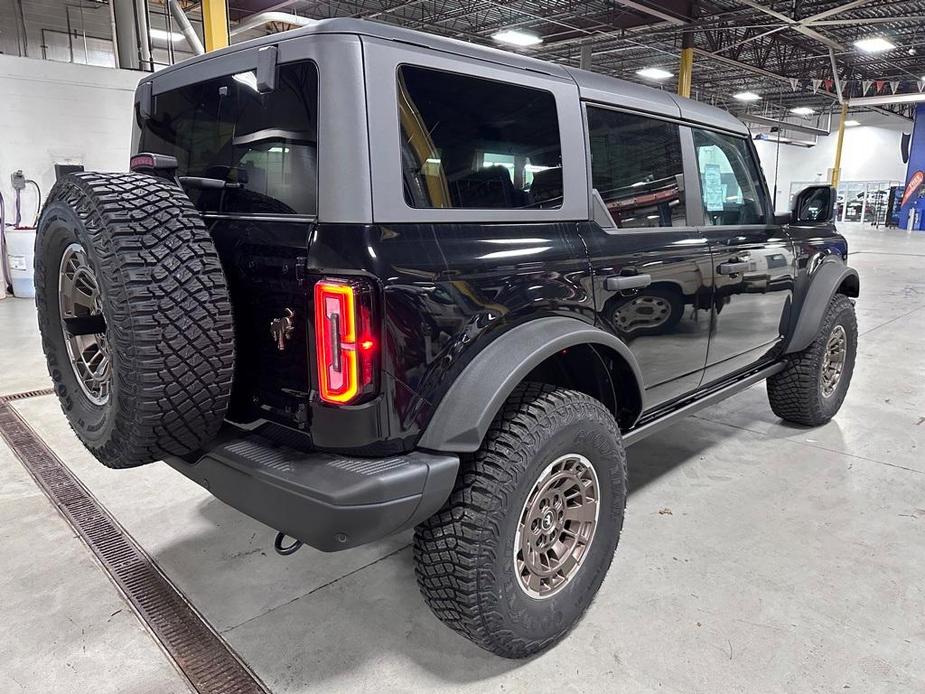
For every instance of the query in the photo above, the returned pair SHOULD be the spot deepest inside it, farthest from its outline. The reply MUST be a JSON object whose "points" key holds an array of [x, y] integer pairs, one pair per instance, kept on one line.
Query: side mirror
{"points": [[814, 205]]}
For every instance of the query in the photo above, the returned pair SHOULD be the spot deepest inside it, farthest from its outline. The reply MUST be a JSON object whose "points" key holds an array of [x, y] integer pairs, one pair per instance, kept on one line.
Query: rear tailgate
{"points": [[264, 263]]}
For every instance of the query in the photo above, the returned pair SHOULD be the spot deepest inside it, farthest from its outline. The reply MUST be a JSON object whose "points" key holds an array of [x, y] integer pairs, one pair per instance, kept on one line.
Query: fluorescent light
{"points": [[654, 73], [851, 123], [802, 111], [746, 96], [876, 44], [161, 35], [515, 37]]}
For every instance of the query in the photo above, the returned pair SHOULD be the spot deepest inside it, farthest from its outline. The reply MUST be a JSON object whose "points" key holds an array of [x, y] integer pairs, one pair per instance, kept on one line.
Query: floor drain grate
{"points": [[28, 394], [202, 655]]}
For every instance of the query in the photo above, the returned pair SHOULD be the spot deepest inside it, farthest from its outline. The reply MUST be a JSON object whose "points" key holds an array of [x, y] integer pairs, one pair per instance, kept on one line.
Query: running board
{"points": [[639, 433]]}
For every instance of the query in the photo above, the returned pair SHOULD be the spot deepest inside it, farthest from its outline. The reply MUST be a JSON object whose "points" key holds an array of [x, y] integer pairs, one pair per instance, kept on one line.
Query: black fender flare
{"points": [[464, 414], [824, 283]]}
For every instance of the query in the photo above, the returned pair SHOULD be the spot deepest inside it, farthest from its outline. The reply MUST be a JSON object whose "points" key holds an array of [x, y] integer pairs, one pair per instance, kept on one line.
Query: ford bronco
{"points": [[360, 279]]}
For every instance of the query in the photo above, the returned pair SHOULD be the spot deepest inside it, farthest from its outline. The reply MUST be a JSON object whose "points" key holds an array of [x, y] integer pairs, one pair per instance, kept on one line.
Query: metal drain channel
{"points": [[199, 652]]}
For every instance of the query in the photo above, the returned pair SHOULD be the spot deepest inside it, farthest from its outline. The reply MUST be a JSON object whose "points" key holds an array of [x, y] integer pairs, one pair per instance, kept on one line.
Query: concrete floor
{"points": [[756, 556]]}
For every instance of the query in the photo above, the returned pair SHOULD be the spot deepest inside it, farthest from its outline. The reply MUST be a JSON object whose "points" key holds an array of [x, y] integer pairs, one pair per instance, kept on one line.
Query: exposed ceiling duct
{"points": [[192, 38], [258, 20]]}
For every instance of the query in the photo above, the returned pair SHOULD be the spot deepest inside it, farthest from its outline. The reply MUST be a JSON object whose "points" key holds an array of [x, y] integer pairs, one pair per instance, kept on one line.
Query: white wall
{"points": [[61, 113], [870, 153]]}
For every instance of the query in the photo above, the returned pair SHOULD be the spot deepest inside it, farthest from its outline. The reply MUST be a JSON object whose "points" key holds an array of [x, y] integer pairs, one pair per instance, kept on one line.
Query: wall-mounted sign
{"points": [[914, 184]]}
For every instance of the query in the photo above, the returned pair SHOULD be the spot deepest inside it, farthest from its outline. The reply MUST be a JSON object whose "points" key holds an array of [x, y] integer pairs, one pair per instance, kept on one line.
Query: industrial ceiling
{"points": [[781, 51]]}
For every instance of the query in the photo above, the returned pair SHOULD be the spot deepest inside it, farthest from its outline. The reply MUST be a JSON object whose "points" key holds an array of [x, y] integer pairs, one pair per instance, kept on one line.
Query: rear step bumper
{"points": [[330, 502]]}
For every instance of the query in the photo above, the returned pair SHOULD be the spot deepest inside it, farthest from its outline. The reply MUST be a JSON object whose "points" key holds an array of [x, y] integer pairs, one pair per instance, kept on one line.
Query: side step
{"points": [[690, 407]]}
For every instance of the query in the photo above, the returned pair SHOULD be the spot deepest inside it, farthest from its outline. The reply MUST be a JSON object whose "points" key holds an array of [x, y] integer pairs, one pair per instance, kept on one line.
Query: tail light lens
{"points": [[345, 343]]}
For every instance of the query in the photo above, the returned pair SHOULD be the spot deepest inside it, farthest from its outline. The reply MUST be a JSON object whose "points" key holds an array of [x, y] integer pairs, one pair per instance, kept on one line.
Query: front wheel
{"points": [[813, 386], [521, 547]]}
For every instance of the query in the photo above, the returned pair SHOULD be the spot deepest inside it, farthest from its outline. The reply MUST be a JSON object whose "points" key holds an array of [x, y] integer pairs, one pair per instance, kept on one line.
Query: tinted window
{"points": [[729, 180], [265, 143], [636, 167], [475, 143]]}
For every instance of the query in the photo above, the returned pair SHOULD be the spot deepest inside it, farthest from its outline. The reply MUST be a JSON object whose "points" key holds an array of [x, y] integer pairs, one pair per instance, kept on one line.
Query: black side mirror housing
{"points": [[814, 205], [783, 218]]}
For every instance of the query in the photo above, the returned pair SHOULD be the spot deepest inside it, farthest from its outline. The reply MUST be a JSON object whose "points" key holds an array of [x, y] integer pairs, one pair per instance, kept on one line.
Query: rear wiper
{"points": [[204, 183]]}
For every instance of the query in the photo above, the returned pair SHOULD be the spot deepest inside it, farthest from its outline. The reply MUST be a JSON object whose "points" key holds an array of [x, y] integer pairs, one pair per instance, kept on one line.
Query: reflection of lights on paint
{"points": [[279, 150], [432, 160], [514, 253], [248, 79]]}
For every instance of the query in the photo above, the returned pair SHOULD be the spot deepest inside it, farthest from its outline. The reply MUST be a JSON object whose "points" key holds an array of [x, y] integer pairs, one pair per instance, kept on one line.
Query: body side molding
{"points": [[464, 414]]}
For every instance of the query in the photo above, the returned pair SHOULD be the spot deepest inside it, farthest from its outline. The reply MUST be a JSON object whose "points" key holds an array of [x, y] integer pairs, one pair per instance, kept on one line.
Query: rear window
{"points": [[476, 143], [264, 144]]}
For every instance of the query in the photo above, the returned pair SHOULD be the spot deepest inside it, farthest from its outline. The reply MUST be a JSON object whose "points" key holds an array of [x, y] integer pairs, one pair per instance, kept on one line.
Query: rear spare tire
{"points": [[134, 314]]}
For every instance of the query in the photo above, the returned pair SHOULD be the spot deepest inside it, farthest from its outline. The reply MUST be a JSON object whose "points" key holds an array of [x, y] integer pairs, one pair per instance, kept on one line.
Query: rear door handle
{"points": [[619, 283], [732, 268]]}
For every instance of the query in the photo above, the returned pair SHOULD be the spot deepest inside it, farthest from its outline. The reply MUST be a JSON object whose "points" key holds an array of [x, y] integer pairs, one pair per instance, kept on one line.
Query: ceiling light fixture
{"points": [[746, 96], [876, 44], [654, 73], [803, 111], [515, 37], [161, 35], [851, 123]]}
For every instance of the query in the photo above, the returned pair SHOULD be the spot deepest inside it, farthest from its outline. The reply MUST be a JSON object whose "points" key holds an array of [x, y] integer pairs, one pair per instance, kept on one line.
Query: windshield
{"points": [[264, 145]]}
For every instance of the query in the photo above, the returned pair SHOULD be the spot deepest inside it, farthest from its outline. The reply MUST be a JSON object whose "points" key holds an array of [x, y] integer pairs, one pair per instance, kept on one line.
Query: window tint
{"points": [[636, 167], [475, 143], [266, 143], [729, 180]]}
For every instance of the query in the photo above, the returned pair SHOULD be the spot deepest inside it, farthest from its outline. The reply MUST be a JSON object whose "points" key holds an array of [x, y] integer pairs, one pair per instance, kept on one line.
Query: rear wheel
{"points": [[813, 386], [134, 315], [518, 552]]}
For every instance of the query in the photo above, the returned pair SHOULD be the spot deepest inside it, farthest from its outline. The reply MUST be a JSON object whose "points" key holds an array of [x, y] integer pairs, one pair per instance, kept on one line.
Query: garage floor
{"points": [[756, 556]]}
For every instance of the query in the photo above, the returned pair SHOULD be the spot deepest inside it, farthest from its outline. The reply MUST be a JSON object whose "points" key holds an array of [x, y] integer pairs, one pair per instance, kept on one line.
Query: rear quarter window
{"points": [[468, 142]]}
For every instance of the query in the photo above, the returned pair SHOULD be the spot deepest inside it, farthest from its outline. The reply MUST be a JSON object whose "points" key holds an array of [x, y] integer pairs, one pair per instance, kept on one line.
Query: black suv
{"points": [[361, 279]]}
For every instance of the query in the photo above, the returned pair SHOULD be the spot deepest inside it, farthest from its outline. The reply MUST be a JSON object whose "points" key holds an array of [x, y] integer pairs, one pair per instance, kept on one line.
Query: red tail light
{"points": [[344, 341]]}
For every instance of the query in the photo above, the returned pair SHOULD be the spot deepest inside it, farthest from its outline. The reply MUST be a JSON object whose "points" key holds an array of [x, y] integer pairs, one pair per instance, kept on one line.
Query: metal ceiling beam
{"points": [[835, 10], [652, 12], [794, 24], [783, 124]]}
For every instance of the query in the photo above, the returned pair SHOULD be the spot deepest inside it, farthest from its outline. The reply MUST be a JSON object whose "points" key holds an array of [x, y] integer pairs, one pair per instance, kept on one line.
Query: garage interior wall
{"points": [[61, 113], [870, 153]]}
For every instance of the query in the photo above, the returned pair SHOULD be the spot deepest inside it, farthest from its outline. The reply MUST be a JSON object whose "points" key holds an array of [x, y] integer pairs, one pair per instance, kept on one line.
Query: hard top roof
{"points": [[592, 86]]}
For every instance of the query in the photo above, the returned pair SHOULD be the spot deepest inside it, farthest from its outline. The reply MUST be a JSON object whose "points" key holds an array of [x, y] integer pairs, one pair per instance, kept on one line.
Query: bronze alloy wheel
{"points": [[556, 526], [833, 360], [83, 324]]}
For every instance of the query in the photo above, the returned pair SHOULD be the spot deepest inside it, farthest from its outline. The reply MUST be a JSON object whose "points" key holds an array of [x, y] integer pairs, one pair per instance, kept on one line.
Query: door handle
{"points": [[732, 268], [619, 283]]}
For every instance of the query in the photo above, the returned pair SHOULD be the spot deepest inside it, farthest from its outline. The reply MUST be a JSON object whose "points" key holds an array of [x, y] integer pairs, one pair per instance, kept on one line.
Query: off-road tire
{"points": [[796, 393], [463, 554], [167, 315]]}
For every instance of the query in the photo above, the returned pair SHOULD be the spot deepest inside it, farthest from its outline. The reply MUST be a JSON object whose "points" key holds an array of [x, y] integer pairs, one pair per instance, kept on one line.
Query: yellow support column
{"points": [[686, 72], [836, 170], [215, 23]]}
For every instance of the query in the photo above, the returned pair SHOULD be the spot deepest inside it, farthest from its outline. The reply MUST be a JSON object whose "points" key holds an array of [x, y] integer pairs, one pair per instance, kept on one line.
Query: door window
{"points": [[637, 169], [729, 180], [476, 143]]}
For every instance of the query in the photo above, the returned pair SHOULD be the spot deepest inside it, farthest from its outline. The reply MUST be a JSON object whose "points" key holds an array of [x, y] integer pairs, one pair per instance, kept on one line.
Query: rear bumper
{"points": [[330, 502]]}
